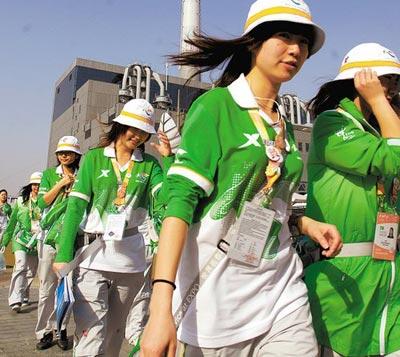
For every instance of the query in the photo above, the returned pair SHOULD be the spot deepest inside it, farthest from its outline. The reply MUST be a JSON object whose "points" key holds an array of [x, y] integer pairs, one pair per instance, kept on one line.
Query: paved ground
{"points": [[17, 338]]}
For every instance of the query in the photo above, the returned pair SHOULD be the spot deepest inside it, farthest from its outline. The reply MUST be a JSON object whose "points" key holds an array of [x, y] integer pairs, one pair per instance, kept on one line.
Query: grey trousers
{"points": [[21, 279], [102, 302], [292, 336], [48, 281]]}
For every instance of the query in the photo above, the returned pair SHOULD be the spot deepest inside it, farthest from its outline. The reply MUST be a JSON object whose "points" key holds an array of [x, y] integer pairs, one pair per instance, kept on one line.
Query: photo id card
{"points": [[115, 226], [385, 240], [249, 238]]}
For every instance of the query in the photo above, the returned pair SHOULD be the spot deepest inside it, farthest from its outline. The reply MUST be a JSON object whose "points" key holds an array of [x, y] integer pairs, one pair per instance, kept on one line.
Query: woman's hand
{"points": [[159, 337], [57, 267], [369, 86], [326, 235], [164, 147], [66, 180]]}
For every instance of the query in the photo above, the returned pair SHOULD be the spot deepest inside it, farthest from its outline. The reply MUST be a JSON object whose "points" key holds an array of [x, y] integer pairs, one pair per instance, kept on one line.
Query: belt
{"points": [[88, 238], [356, 250]]}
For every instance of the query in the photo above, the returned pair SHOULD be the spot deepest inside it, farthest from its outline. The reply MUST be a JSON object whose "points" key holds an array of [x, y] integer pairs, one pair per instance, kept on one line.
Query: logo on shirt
{"points": [[142, 177], [104, 173], [252, 139], [345, 135], [178, 155]]}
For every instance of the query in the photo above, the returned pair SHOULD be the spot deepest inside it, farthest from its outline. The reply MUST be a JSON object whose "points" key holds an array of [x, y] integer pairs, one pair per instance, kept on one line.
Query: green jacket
{"points": [[20, 222], [95, 189], [53, 215], [351, 297]]}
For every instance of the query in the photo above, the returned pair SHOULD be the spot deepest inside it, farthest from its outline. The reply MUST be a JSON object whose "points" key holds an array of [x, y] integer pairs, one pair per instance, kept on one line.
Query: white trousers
{"points": [[102, 303], [23, 273], [139, 312], [292, 336], [48, 282]]}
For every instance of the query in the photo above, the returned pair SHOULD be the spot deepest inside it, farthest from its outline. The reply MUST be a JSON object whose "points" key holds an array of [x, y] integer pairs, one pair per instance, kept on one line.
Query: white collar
{"points": [[242, 94], [109, 151], [60, 171]]}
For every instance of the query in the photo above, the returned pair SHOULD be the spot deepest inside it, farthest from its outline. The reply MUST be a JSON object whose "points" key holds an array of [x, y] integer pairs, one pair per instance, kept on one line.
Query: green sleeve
{"points": [[183, 197], [191, 176], [9, 231], [341, 144], [73, 217], [7, 210], [45, 186], [78, 201], [200, 150]]}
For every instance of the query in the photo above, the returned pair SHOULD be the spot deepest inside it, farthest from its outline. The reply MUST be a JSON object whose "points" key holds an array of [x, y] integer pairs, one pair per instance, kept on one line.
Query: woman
{"points": [[115, 186], [21, 229], [5, 211], [53, 192], [355, 297], [252, 301]]}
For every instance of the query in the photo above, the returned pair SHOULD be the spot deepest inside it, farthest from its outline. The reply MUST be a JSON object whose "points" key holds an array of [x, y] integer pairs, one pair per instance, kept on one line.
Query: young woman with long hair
{"points": [[116, 184], [229, 192], [354, 155], [23, 225], [53, 193]]}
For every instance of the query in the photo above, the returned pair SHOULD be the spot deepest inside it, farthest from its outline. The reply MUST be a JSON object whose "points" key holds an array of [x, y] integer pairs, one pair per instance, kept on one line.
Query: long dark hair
{"points": [[238, 52], [25, 192], [115, 131], [330, 94]]}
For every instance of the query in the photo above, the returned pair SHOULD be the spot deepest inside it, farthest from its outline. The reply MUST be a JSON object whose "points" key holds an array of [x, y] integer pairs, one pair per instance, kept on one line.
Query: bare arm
{"points": [[50, 196], [371, 90], [160, 332]]}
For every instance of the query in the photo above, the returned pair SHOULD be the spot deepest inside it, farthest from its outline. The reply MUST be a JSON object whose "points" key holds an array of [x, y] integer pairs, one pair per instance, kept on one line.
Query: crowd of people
{"points": [[226, 280]]}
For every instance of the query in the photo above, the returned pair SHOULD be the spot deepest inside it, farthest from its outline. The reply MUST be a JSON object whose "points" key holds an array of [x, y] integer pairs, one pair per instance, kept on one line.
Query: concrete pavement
{"points": [[17, 337]]}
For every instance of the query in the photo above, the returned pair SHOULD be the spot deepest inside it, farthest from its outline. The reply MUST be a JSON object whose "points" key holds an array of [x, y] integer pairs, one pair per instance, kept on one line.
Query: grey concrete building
{"points": [[86, 100]]}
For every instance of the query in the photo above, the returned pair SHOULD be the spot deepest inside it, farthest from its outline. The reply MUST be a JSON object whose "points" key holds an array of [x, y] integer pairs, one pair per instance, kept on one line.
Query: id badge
{"points": [[249, 238], [35, 226], [115, 226], [385, 240]]}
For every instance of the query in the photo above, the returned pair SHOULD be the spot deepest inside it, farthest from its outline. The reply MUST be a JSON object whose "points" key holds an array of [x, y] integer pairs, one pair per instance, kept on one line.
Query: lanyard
{"points": [[122, 185], [273, 149], [31, 210]]}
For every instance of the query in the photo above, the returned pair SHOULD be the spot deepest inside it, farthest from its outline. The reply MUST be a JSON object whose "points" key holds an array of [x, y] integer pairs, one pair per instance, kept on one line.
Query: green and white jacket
{"points": [[21, 223], [53, 214], [91, 199], [219, 166], [5, 213], [355, 301]]}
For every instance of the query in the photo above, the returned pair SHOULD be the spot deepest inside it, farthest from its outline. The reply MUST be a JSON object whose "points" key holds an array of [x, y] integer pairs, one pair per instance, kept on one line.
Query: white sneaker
{"points": [[25, 303], [16, 307]]}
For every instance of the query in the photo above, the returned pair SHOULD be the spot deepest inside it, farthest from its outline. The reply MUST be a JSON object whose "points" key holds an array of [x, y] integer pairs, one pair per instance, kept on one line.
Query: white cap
{"points": [[137, 113], [68, 143], [36, 177], [295, 11], [368, 55]]}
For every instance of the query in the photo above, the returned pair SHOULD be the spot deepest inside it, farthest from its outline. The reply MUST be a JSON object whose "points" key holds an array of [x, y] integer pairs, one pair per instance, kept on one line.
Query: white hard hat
{"points": [[36, 177], [137, 113], [68, 143], [295, 11], [368, 55]]}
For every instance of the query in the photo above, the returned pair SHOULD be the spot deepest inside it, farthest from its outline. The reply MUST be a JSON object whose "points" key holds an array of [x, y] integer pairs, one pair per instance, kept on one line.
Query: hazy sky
{"points": [[40, 39]]}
